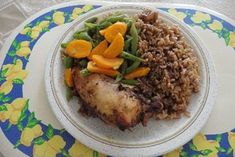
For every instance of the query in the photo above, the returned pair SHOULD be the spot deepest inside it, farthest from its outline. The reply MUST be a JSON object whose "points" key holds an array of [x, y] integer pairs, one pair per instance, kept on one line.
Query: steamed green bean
{"points": [[131, 57], [133, 67], [134, 41]]}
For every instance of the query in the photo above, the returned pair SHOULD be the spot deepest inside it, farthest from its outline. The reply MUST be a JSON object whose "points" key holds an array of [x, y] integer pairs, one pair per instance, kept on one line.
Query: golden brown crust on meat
{"points": [[118, 107]]}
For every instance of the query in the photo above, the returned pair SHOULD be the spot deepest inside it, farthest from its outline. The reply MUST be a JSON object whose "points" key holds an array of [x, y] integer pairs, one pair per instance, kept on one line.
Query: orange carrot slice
{"points": [[103, 62], [78, 48], [139, 72], [99, 49], [93, 68], [115, 48], [111, 32], [68, 77], [102, 32]]}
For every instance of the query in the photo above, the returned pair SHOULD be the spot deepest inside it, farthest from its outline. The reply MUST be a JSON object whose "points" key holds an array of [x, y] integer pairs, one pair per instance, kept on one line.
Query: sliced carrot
{"points": [[111, 32], [78, 48], [99, 49], [93, 68], [115, 48], [68, 77], [102, 32], [139, 72], [103, 62]]}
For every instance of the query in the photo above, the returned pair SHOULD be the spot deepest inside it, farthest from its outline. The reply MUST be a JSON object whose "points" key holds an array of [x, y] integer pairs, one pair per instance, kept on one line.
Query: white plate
{"points": [[158, 137]]}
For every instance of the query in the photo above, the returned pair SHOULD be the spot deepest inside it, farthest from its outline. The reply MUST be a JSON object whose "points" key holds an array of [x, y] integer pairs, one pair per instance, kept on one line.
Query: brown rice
{"points": [[174, 74]]}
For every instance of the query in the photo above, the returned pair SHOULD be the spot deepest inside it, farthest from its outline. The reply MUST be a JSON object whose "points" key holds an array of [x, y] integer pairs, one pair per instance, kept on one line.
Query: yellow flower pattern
{"points": [[24, 50], [36, 30], [6, 87], [202, 143], [58, 18], [231, 140], [13, 111], [13, 71], [12, 68], [216, 25], [78, 11], [232, 39], [175, 153], [200, 17], [5, 115], [179, 15], [44, 24], [25, 30], [87, 7], [29, 134], [49, 148], [79, 150]]}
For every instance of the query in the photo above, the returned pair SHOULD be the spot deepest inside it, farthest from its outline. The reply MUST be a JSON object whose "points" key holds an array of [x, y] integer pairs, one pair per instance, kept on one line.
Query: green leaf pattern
{"points": [[229, 151], [220, 149], [192, 146], [20, 126], [218, 137], [32, 121], [65, 153], [18, 81], [39, 141], [206, 152], [50, 132], [3, 108], [17, 144], [11, 53]]}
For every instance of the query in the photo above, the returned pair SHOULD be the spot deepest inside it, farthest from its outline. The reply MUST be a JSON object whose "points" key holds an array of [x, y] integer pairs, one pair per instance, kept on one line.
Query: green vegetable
{"points": [[68, 62], [116, 18], [128, 21], [64, 45], [81, 30], [123, 67], [119, 77], [90, 26], [104, 25], [85, 72], [69, 94], [92, 20], [83, 63], [127, 44], [134, 41], [131, 57], [82, 35], [133, 67], [130, 82], [113, 18]]}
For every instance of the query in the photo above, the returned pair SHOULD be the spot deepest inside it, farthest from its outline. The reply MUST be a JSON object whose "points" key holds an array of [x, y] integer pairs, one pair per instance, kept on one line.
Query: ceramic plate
{"points": [[158, 137]]}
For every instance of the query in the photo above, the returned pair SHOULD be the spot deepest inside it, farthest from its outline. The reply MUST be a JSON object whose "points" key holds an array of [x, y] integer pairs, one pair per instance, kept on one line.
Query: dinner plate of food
{"points": [[130, 80]]}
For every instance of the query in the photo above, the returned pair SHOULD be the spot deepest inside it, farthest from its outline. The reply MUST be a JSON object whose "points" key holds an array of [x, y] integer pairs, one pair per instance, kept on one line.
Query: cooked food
{"points": [[110, 101], [126, 70], [174, 74]]}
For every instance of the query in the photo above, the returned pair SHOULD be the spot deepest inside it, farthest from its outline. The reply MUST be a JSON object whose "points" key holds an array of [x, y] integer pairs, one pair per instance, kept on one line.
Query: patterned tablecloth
{"points": [[24, 131]]}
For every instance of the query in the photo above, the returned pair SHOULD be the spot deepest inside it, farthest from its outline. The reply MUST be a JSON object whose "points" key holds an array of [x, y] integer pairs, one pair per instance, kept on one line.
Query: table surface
{"points": [[14, 12]]}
